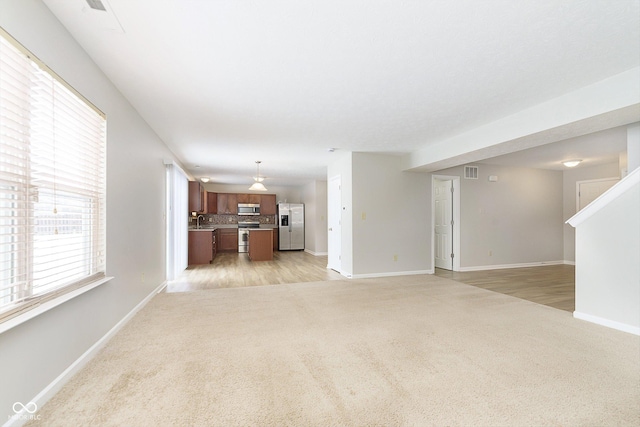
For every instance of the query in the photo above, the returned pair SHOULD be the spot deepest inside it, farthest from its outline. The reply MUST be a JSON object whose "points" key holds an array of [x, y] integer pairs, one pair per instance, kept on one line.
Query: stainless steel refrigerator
{"points": [[290, 226]]}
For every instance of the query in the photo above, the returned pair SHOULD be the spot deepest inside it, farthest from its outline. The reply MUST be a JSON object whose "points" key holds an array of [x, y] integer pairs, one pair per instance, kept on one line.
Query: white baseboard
{"points": [[635, 330], [389, 274], [316, 253], [50, 390], [504, 266], [569, 262]]}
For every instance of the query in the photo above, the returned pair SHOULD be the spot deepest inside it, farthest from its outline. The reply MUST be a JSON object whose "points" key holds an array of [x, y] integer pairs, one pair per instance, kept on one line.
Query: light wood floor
{"points": [[233, 270], [552, 285]]}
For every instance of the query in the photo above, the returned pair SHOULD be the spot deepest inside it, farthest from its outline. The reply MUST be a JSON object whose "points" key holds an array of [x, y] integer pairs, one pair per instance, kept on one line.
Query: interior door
{"points": [[588, 191], [443, 232], [334, 214]]}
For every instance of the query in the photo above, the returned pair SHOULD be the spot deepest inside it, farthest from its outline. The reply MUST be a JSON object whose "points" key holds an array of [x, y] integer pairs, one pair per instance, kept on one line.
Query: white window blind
{"points": [[177, 220], [52, 184]]}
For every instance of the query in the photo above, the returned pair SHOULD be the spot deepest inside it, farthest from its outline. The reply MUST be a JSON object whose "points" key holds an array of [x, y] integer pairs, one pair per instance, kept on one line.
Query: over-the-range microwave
{"points": [[248, 209]]}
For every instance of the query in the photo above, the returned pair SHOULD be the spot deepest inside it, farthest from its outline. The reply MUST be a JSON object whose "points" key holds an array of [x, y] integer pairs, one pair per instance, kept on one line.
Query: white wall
{"points": [[633, 147], [314, 197], [607, 264], [321, 223], [569, 179], [34, 353], [516, 220], [391, 217]]}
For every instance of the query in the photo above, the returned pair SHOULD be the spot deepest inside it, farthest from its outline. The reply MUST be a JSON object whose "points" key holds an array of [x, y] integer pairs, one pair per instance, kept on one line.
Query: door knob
{"points": [[330, 229]]}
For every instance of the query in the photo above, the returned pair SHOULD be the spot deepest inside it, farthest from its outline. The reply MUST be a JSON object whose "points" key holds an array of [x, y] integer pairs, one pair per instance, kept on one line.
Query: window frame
{"points": [[29, 305]]}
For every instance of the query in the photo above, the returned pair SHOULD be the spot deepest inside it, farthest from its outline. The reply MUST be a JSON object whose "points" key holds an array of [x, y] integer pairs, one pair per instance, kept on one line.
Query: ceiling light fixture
{"points": [[204, 179], [571, 163], [258, 185]]}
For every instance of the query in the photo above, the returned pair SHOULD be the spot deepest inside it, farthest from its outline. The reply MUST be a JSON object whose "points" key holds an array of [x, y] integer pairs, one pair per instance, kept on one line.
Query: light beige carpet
{"points": [[404, 351]]}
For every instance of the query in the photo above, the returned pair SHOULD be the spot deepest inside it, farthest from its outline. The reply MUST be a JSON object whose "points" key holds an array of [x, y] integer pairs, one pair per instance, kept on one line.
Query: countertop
{"points": [[215, 227]]}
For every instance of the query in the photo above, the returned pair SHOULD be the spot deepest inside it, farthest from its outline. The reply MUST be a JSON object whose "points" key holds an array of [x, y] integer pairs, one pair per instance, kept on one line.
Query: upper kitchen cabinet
{"points": [[267, 204], [249, 198], [212, 203], [227, 204], [197, 197]]}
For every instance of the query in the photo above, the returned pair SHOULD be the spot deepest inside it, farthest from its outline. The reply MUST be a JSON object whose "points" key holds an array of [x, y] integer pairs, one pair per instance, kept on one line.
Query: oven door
{"points": [[243, 240]]}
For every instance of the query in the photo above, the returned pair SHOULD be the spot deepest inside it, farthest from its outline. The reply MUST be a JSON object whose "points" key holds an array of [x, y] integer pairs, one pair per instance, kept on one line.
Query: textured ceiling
{"points": [[225, 83]]}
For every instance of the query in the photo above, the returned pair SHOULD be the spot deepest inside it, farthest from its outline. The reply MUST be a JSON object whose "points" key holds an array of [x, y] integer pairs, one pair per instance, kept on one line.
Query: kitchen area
{"points": [[251, 224]]}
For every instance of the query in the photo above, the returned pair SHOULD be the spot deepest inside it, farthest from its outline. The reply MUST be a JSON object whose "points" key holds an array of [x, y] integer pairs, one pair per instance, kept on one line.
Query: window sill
{"points": [[48, 305]]}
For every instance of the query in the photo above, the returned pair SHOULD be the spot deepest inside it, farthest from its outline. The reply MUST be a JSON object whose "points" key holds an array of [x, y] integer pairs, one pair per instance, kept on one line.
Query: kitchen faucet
{"points": [[198, 221]]}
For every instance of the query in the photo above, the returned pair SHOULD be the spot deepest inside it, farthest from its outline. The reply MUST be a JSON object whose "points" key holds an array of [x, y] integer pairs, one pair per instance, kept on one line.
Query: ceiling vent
{"points": [[97, 5], [470, 172]]}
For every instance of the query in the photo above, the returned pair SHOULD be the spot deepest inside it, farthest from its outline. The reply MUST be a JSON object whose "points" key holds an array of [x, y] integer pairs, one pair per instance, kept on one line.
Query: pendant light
{"points": [[258, 185]]}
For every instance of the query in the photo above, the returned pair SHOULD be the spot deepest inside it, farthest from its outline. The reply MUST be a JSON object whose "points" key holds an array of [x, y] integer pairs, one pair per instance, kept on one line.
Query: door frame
{"points": [[588, 181], [455, 214]]}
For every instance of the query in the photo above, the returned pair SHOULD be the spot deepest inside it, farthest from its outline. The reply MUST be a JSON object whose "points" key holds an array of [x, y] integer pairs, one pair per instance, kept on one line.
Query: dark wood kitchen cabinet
{"points": [[227, 204], [212, 203], [260, 244], [197, 197], [228, 239], [202, 247], [249, 198], [276, 235], [267, 204]]}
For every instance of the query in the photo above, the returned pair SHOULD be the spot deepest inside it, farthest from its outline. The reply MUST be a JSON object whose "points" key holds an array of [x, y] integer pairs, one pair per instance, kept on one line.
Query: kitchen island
{"points": [[261, 244]]}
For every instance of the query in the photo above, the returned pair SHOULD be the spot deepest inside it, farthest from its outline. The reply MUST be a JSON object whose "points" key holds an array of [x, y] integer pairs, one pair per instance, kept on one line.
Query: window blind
{"points": [[52, 183], [177, 219]]}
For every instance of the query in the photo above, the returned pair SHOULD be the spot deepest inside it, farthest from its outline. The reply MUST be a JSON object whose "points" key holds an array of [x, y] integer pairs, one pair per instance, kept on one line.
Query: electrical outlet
{"points": [[364, 215], [142, 278], [210, 219], [395, 257], [490, 253]]}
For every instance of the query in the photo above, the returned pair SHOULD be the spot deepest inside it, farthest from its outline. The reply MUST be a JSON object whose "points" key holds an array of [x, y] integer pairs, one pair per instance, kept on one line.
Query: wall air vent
{"points": [[96, 4], [470, 172]]}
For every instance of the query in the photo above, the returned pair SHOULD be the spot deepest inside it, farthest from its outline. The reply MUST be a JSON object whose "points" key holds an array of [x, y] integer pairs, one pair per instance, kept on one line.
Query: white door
{"points": [[443, 227], [588, 191], [334, 215]]}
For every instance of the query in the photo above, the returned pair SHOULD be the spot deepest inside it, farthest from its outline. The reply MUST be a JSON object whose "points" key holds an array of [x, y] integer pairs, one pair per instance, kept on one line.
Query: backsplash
{"points": [[232, 219]]}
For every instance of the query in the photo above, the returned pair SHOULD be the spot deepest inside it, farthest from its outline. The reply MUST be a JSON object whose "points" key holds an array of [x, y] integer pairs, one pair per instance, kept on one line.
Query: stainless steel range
{"points": [[243, 234]]}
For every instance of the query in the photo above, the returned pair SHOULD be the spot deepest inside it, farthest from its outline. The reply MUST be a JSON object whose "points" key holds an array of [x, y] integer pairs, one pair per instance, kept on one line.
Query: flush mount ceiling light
{"points": [[204, 179], [97, 5], [258, 185], [571, 163]]}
